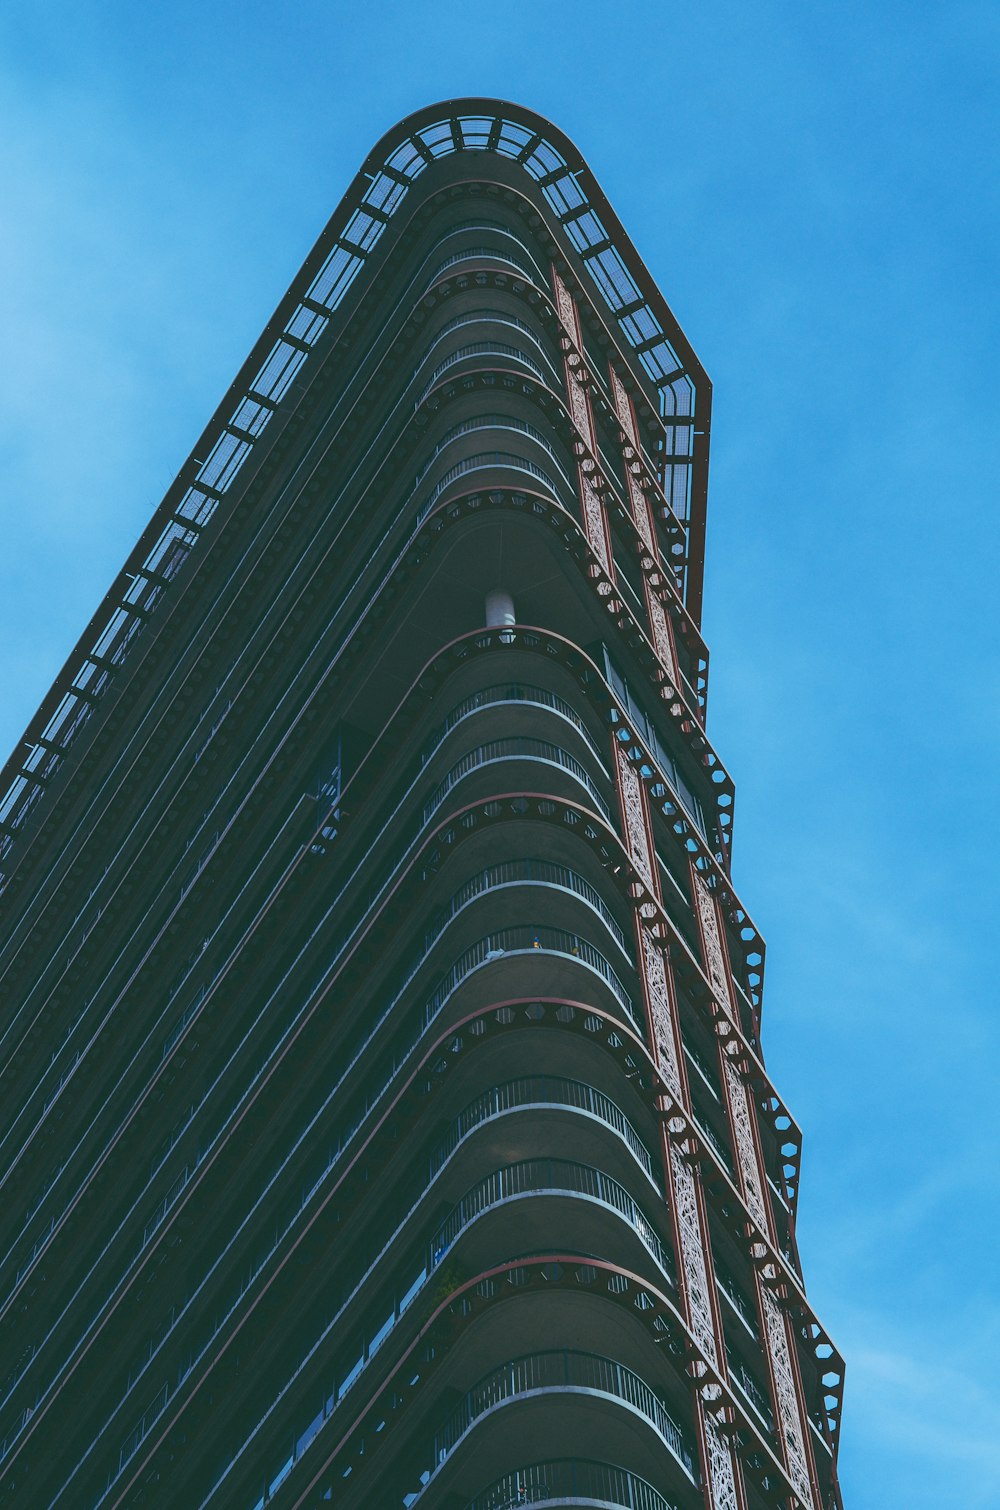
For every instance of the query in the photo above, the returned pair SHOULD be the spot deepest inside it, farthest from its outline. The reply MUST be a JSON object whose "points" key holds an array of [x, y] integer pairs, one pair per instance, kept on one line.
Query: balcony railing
{"points": [[527, 940], [510, 692], [573, 1480], [750, 1390], [480, 422], [554, 1370], [532, 872], [546, 1091], [486, 460], [498, 254], [517, 747], [487, 317], [543, 1177]]}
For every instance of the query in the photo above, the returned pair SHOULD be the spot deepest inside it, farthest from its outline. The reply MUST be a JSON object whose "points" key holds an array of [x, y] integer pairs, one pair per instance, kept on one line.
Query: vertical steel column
{"points": [[595, 521], [661, 629], [721, 1469], [722, 1473], [777, 1334]]}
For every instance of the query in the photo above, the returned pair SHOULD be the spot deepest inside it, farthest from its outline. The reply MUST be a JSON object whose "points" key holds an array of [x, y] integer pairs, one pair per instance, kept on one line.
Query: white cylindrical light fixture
{"points": [[499, 609]]}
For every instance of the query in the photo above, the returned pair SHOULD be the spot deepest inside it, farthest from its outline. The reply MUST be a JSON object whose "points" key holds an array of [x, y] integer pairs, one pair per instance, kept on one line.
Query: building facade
{"points": [[383, 1114]]}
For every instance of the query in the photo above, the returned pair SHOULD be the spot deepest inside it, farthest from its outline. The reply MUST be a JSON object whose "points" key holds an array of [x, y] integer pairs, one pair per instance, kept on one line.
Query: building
{"points": [[383, 1112]]}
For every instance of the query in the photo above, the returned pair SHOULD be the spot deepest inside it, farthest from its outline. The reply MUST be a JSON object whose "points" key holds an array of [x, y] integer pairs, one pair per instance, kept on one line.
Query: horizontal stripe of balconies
{"points": [[485, 253], [544, 351], [519, 874], [597, 380], [548, 1091], [515, 751], [684, 923], [513, 693], [474, 1040], [679, 805], [457, 438], [320, 1421], [346, 1462], [538, 1179]]}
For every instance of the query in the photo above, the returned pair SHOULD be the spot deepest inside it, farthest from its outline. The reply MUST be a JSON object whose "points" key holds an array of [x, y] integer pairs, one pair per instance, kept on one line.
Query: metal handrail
{"points": [[480, 348], [538, 872], [523, 939], [571, 1478], [481, 251], [543, 1090], [559, 1176], [486, 460], [517, 746], [509, 692], [491, 422], [550, 1370]]}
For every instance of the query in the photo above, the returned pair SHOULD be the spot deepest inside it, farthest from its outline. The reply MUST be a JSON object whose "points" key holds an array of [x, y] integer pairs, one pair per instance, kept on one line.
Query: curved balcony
{"points": [[401, 824], [475, 1328], [594, 1183], [494, 253], [482, 223], [411, 1285], [489, 317], [555, 1372], [483, 348], [530, 873], [545, 1091], [525, 940], [557, 1177], [490, 461], [578, 1481], [516, 747], [522, 941], [511, 422], [513, 693]]}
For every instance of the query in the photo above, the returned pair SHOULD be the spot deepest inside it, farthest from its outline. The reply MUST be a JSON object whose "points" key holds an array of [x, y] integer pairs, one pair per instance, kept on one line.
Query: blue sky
{"points": [[811, 186]]}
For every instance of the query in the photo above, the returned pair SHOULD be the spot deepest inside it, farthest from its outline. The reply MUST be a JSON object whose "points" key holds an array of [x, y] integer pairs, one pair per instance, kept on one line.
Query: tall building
{"points": [[383, 1114]]}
